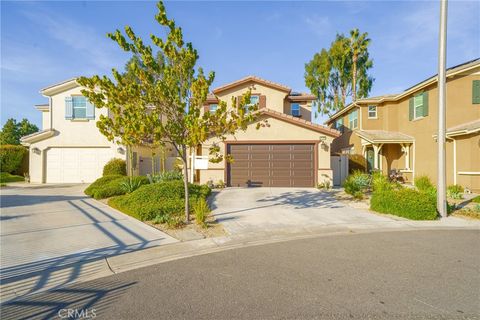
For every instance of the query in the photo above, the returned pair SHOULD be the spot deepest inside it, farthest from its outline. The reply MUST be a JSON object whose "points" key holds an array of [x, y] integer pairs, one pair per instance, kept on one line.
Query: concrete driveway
{"points": [[47, 227], [243, 210]]}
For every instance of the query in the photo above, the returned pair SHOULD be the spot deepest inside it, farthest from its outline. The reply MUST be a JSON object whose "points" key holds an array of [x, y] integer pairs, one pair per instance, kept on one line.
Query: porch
{"points": [[388, 151]]}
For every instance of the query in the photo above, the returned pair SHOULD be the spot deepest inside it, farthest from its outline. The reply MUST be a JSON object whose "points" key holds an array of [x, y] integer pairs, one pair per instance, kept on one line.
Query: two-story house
{"points": [[70, 147], [291, 152], [398, 131]]}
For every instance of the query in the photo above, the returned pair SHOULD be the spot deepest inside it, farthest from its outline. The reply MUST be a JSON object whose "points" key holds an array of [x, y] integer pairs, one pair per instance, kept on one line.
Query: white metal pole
{"points": [[441, 176]]}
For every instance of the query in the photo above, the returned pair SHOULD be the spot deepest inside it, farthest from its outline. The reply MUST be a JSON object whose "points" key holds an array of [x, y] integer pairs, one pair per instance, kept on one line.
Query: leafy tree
{"points": [[172, 93], [333, 76], [12, 131]]}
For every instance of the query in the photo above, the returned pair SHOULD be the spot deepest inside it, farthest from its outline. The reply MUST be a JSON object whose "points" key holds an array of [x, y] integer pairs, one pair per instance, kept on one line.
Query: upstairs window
{"points": [[295, 109], [339, 125], [79, 105], [254, 100], [476, 91], [372, 112], [353, 120], [213, 108], [418, 106]]}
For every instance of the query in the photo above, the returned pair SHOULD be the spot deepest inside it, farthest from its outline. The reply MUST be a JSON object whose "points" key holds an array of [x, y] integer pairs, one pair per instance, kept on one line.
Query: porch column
{"points": [[407, 155], [376, 151]]}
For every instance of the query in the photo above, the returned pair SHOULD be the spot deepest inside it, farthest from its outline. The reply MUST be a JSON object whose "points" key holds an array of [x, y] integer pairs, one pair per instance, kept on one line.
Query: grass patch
{"points": [[7, 177], [476, 199], [162, 202]]}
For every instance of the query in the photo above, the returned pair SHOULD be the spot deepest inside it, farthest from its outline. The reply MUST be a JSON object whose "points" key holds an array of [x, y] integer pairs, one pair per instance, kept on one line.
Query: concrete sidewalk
{"points": [[104, 266]]}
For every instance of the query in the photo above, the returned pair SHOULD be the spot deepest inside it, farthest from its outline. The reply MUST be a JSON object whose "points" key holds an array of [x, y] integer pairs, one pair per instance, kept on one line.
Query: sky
{"points": [[43, 43]]}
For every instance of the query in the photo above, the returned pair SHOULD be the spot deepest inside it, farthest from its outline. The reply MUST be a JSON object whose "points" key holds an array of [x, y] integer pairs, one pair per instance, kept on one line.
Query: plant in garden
{"points": [[455, 191], [12, 131], [423, 183], [357, 183], [131, 184], [167, 176], [115, 166], [201, 211], [11, 157], [171, 93], [476, 199]]}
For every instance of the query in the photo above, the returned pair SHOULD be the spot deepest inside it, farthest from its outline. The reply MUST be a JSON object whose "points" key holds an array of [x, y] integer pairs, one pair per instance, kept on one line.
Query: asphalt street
{"points": [[390, 275]]}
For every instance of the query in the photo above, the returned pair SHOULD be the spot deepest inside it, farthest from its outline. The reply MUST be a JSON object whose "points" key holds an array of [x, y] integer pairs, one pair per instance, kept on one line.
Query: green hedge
{"points": [[7, 177], [115, 167], [165, 199], [405, 202], [11, 157], [109, 186], [476, 199]]}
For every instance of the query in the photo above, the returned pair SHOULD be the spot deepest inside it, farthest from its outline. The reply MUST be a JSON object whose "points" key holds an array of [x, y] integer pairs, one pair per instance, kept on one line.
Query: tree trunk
{"points": [[185, 183], [130, 157], [153, 161], [354, 79]]}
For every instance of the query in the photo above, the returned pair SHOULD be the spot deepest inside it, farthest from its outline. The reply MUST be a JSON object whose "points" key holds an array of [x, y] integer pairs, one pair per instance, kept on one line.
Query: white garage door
{"points": [[72, 165]]}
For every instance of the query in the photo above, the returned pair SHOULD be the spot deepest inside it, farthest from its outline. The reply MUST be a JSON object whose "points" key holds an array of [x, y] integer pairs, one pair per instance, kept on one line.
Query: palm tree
{"points": [[359, 46]]}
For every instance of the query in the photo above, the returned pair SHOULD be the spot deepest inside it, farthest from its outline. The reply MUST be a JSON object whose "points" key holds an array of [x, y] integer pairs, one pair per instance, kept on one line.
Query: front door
{"points": [[370, 159]]}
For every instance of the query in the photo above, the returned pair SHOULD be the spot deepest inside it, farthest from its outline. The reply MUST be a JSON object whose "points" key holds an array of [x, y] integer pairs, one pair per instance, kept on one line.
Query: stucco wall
{"points": [[394, 116], [278, 131]]}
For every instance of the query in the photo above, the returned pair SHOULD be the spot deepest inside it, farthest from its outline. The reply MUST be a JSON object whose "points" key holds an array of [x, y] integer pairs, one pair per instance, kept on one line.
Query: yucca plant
{"points": [[131, 184]]}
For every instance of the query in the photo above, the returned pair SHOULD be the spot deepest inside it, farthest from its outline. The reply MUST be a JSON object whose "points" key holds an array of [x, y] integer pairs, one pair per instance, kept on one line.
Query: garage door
{"points": [[271, 165], [75, 165]]}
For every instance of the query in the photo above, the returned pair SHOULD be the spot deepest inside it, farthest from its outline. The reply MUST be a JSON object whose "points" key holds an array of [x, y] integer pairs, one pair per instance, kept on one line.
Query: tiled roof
{"points": [[465, 128], [300, 122], [254, 79], [383, 136]]}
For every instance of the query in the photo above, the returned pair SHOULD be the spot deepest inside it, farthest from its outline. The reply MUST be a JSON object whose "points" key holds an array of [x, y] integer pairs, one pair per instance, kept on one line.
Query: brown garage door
{"points": [[271, 165]]}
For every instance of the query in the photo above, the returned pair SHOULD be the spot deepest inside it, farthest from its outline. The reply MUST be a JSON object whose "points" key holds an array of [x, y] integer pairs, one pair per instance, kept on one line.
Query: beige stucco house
{"points": [[398, 131], [70, 148], [291, 152]]}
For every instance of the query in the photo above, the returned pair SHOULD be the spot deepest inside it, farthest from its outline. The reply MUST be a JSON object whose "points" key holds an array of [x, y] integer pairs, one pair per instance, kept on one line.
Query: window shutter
{"points": [[476, 91], [263, 102], [425, 104], [410, 109], [90, 110], [68, 108]]}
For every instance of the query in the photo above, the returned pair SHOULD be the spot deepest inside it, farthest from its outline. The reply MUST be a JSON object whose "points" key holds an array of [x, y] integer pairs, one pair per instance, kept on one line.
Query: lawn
{"points": [[6, 177]]}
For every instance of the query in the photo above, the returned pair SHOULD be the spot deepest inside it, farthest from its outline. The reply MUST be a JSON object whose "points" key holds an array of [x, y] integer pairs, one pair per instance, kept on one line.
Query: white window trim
{"points": [[376, 112], [355, 121]]}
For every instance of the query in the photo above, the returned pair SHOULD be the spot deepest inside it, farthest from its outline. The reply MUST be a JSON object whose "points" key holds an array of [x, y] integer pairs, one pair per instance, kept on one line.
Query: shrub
{"points": [[167, 176], [11, 157], [109, 186], [131, 184], [423, 183], [201, 211], [163, 201], [476, 199], [7, 177], [455, 191], [357, 182], [381, 182], [115, 167], [405, 202], [325, 185]]}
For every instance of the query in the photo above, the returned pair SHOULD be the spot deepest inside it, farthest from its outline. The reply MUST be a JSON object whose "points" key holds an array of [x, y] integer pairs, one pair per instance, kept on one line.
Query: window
{"points": [[213, 108], [353, 120], [476, 91], [295, 109], [418, 106], [253, 101], [339, 125], [372, 112], [79, 105]]}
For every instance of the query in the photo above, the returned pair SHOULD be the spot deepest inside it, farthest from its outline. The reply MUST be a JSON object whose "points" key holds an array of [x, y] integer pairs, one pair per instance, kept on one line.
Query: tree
{"points": [[330, 74], [12, 131], [173, 91], [359, 52]]}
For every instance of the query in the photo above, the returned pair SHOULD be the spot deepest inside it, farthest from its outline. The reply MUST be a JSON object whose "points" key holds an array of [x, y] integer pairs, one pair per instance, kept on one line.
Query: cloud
{"points": [[83, 39], [320, 25]]}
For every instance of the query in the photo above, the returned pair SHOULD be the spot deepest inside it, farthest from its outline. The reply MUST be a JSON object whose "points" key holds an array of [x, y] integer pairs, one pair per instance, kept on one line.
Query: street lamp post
{"points": [[441, 176]]}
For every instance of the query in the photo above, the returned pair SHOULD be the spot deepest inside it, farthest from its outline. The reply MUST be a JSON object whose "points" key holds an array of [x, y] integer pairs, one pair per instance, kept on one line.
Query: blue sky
{"points": [[43, 43]]}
